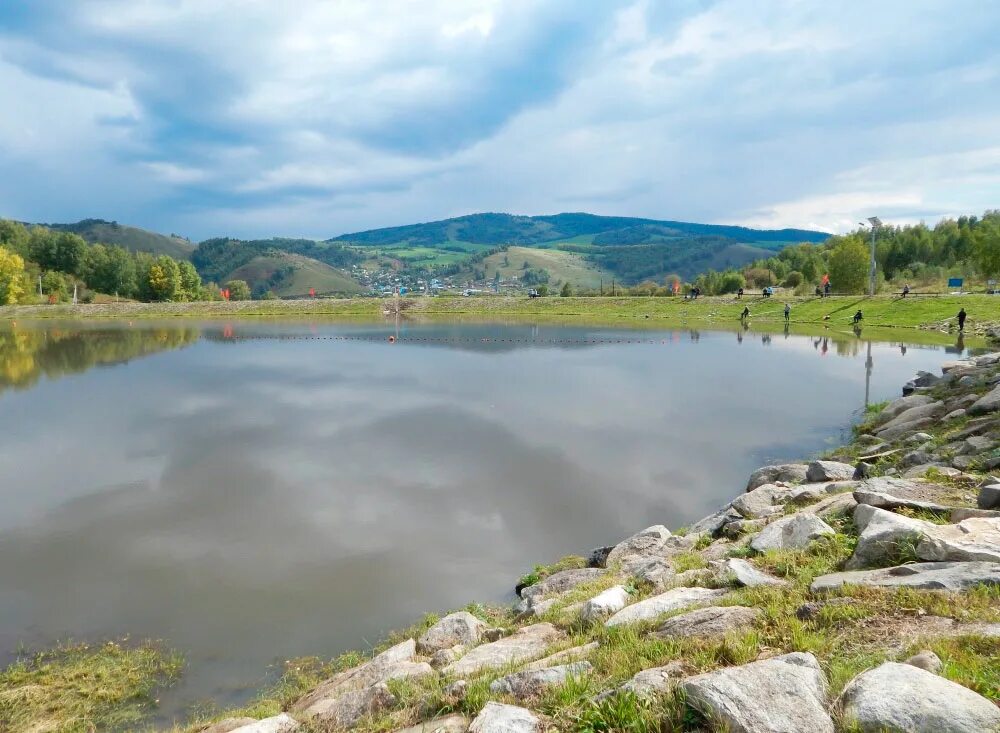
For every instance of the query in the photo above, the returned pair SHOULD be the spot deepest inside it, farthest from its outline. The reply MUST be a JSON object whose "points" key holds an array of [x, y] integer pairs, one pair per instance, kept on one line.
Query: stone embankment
{"points": [[859, 593]]}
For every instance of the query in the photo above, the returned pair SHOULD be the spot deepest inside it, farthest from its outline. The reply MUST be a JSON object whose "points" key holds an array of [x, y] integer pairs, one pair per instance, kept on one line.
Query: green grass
{"points": [[561, 266], [81, 687]]}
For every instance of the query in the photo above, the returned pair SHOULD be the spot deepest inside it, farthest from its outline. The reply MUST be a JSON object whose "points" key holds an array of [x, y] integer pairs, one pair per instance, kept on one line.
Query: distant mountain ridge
{"points": [[134, 239], [498, 228]]}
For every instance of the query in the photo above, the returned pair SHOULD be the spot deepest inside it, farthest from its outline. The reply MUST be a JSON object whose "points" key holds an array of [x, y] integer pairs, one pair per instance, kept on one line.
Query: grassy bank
{"points": [[937, 312]]}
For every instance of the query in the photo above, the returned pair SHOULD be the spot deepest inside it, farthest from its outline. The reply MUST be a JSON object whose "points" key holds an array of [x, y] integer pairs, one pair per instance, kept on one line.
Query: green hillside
{"points": [[496, 229], [217, 258], [131, 238], [287, 275], [561, 266]]}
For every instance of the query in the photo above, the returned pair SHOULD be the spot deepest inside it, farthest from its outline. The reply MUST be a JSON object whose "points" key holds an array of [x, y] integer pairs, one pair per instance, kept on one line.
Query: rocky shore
{"points": [[856, 593]]}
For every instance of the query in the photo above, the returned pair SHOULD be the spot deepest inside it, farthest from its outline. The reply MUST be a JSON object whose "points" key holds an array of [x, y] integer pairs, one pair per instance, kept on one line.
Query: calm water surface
{"points": [[251, 497]]}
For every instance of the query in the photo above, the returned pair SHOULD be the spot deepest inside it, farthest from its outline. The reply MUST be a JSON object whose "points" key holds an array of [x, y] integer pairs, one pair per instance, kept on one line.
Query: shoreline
{"points": [[789, 584]]}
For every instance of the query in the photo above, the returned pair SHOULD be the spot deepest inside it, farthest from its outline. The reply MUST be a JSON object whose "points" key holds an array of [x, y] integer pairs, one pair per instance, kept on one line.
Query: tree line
{"points": [[38, 258]]}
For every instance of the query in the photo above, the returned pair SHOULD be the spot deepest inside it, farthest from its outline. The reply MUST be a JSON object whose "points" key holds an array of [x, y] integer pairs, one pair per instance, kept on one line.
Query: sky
{"points": [[255, 118]]}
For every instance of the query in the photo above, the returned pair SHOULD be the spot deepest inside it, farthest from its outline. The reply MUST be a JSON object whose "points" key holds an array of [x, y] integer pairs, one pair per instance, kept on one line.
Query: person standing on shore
{"points": [[961, 320], [788, 311], [745, 314], [858, 317]]}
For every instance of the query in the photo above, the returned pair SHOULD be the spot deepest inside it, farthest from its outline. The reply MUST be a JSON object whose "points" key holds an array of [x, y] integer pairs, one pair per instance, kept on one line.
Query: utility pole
{"points": [[876, 223], [39, 286]]}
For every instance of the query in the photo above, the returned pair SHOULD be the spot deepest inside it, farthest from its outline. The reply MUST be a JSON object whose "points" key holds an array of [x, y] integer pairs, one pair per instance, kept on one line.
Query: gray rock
{"points": [[989, 402], [914, 414], [397, 662], [835, 505], [921, 471], [954, 415], [959, 514], [560, 582], [346, 710], [918, 438], [711, 524], [283, 723], [456, 723], [457, 689], [529, 683], [971, 539], [460, 627], [987, 359], [496, 717], [977, 444], [735, 530], [747, 575], [898, 431], [789, 473], [888, 501], [604, 604], [651, 682], [950, 576], [926, 660], [901, 405], [707, 622], [882, 534], [989, 497], [672, 600], [791, 533], [785, 694], [901, 697], [916, 458], [964, 463], [228, 725], [444, 657], [598, 557], [640, 547], [812, 492], [829, 471], [760, 502], [658, 572], [521, 646], [573, 654]]}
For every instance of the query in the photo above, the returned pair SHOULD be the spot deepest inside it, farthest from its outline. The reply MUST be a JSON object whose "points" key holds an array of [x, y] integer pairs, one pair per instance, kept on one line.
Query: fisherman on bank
{"points": [[788, 311], [745, 314], [961, 320]]}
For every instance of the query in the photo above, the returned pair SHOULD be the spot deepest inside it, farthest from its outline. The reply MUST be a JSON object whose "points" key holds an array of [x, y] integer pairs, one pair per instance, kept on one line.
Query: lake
{"points": [[255, 491]]}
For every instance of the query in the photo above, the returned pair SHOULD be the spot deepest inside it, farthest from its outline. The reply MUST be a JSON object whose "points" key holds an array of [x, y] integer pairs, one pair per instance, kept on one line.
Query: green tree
{"points": [[164, 279], [986, 245], [54, 285], [69, 252], [238, 290], [567, 290], [849, 266], [190, 281], [13, 282], [14, 237]]}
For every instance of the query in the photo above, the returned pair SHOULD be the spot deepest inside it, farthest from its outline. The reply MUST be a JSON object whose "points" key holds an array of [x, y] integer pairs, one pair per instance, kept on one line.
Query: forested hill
{"points": [[131, 238], [496, 229]]}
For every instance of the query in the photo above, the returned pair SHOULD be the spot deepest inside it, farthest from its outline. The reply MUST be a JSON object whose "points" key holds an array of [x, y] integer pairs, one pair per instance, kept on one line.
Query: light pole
{"points": [[876, 223]]}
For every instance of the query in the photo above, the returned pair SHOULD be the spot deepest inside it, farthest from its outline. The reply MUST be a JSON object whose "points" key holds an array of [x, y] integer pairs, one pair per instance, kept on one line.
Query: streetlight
{"points": [[875, 223]]}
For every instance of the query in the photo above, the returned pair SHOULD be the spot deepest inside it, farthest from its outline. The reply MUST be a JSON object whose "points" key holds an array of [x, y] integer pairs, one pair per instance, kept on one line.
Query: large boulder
{"points": [[672, 600], [560, 582], [639, 548], [604, 604], [950, 576], [747, 575], [914, 414], [890, 502], [989, 497], [496, 717], [460, 627], [901, 405], [456, 723], [977, 538], [902, 697], [789, 473], [283, 723], [529, 683], [823, 471], [897, 431], [791, 533], [650, 682], [711, 524], [989, 402], [784, 694], [708, 622], [523, 645], [344, 711], [882, 534], [228, 725], [397, 662], [761, 502]]}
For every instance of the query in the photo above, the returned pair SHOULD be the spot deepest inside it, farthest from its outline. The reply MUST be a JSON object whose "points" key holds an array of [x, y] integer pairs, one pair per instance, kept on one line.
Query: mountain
{"points": [[591, 247], [131, 238], [286, 274], [496, 229], [217, 259]]}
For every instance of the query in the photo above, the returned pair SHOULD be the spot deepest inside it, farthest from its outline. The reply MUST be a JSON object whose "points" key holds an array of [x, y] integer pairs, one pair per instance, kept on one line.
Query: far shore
{"points": [[883, 315]]}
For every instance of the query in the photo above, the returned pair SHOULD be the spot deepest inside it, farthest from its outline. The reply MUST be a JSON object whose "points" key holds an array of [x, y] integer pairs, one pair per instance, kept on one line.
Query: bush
{"points": [[793, 279]]}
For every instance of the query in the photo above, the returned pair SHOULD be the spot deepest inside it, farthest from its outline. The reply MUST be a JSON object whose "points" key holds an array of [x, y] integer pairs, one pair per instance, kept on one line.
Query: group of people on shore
{"points": [[857, 318]]}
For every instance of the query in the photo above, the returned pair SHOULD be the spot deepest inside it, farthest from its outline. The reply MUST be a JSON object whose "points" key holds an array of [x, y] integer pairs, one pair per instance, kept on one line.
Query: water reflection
{"points": [[280, 489]]}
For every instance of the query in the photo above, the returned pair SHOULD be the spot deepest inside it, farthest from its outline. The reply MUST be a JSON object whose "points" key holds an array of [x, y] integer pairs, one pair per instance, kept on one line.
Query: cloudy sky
{"points": [[318, 117]]}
